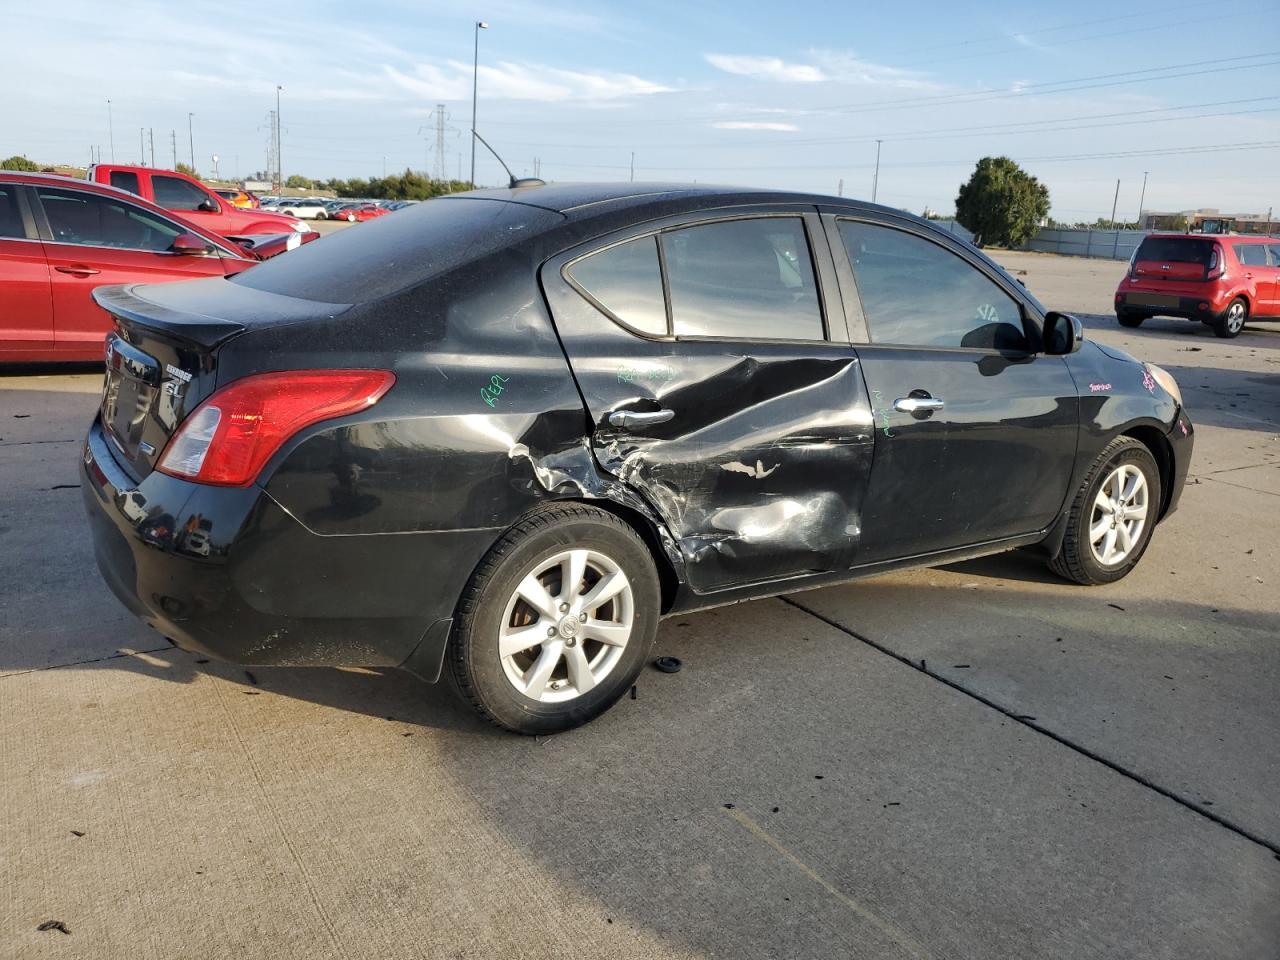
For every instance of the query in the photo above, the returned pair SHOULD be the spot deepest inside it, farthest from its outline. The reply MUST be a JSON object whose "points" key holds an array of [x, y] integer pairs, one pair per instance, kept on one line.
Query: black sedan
{"points": [[504, 433]]}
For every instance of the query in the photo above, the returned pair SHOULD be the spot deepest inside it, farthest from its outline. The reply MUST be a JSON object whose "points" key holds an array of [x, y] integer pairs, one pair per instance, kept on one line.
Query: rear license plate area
{"points": [[1154, 300]]}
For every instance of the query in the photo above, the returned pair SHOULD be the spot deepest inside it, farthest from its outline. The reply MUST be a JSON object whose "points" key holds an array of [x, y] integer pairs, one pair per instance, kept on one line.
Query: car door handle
{"points": [[78, 271], [917, 404], [632, 419]]}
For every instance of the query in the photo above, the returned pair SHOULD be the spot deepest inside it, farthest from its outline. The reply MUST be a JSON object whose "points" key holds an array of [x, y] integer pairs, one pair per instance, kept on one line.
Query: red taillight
{"points": [[229, 438], [1217, 267]]}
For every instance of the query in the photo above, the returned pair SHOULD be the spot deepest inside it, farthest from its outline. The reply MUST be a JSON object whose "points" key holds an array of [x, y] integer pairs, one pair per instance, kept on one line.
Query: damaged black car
{"points": [[500, 435]]}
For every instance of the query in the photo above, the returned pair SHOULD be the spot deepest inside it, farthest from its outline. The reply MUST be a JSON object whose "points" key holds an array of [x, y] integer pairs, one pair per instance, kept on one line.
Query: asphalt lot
{"points": [[976, 761]]}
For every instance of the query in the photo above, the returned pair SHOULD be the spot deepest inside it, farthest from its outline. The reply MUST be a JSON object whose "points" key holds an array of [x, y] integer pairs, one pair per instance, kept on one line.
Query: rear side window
{"points": [[93, 220], [1175, 250], [748, 279], [1251, 254], [626, 281], [917, 293], [124, 180], [173, 193], [10, 216]]}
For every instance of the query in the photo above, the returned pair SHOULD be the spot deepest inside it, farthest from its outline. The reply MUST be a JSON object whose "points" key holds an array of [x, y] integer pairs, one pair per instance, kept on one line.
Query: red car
{"points": [[365, 211], [193, 201], [1220, 280], [60, 238]]}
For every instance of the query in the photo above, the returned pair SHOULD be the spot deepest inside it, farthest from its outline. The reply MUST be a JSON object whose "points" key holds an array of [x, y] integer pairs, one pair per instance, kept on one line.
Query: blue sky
{"points": [[772, 94]]}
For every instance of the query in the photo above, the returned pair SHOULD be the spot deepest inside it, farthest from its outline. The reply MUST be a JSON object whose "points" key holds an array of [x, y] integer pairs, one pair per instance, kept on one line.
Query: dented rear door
{"points": [[713, 358]]}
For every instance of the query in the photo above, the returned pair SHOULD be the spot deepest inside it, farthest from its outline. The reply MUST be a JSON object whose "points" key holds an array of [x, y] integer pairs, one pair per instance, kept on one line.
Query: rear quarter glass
{"points": [[394, 254]]}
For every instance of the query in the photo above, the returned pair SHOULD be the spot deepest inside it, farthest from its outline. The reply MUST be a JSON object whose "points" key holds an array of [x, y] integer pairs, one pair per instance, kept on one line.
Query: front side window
{"points": [[1251, 254], [747, 279], [125, 180], [917, 293], [626, 280], [89, 219], [174, 193], [10, 216]]}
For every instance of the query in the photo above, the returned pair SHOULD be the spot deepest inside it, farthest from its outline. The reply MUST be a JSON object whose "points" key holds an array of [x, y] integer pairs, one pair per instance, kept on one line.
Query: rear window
{"points": [[1176, 250], [390, 254]]}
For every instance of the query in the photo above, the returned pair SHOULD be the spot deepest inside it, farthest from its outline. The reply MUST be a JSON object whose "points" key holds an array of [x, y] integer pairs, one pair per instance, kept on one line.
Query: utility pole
{"points": [[111, 133], [875, 180], [840, 188], [142, 147], [191, 140], [151, 136], [633, 166], [279, 161], [1113, 205], [1142, 199], [173, 142], [475, 87], [273, 169]]}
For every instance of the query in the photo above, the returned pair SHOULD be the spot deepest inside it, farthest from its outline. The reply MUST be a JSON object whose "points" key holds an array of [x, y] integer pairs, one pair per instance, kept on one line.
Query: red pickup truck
{"points": [[194, 201]]}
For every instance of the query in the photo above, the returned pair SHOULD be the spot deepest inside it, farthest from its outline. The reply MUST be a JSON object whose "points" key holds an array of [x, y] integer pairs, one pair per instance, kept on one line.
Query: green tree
{"points": [[299, 182], [17, 162], [185, 168], [1002, 204]]}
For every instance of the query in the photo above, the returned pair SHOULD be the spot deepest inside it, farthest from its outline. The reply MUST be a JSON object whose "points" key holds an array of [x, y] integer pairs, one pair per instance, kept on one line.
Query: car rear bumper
{"points": [[227, 572], [1171, 305]]}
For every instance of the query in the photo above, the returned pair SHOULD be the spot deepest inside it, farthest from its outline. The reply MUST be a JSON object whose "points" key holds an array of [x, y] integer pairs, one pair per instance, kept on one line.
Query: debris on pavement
{"points": [[668, 664], [54, 925]]}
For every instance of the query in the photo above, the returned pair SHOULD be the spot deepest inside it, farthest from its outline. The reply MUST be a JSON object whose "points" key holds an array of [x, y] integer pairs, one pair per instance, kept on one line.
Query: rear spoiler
{"points": [[124, 303]]}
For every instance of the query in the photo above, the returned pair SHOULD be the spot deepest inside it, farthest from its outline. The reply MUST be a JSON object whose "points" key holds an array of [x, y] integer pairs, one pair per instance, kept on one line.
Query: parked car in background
{"points": [[1220, 280], [192, 200], [306, 208], [614, 403], [60, 238], [361, 211], [238, 198]]}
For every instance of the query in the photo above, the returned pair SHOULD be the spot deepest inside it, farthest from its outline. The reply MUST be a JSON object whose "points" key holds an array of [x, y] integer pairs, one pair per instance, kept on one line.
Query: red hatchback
{"points": [[60, 238], [1220, 280], [365, 211]]}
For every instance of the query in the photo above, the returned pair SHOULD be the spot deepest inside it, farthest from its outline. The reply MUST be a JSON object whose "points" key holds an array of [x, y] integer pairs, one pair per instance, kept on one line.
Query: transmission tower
{"points": [[443, 130]]}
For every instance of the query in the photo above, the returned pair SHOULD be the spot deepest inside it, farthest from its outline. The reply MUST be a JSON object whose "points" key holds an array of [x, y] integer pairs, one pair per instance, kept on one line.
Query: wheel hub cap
{"points": [[1119, 515]]}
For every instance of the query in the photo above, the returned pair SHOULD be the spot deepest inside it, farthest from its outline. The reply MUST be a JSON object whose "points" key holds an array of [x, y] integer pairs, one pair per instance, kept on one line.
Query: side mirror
{"points": [[209, 205], [188, 244], [1063, 333]]}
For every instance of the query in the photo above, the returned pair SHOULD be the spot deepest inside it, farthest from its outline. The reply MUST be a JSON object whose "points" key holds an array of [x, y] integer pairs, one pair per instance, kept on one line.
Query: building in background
{"points": [[1208, 220]]}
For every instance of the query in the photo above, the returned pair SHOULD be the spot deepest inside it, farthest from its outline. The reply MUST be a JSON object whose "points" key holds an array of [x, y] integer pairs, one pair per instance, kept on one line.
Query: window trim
{"points": [[1031, 322], [44, 231], [808, 223]]}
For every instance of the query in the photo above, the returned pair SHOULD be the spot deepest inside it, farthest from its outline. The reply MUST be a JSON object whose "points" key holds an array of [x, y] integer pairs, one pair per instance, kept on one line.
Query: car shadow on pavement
{"points": [[1256, 334], [1236, 399]]}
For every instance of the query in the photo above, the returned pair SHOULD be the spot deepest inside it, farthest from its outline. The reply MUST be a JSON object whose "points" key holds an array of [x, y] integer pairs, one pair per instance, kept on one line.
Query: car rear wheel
{"points": [[351, 218], [1232, 320], [1112, 516], [1129, 319], [557, 621], [321, 215]]}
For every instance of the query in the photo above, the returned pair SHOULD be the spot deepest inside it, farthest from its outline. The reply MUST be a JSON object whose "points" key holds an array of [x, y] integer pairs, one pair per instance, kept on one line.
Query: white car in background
{"points": [[304, 208]]}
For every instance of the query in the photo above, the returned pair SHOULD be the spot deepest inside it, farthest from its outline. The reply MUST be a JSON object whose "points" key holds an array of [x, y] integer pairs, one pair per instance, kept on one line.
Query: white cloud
{"points": [[753, 125], [520, 81], [765, 68]]}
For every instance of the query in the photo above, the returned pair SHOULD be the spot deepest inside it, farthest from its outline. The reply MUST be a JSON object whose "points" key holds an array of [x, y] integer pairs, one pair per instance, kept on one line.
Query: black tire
{"points": [[1129, 319], [322, 215], [1229, 325], [1076, 560], [477, 670]]}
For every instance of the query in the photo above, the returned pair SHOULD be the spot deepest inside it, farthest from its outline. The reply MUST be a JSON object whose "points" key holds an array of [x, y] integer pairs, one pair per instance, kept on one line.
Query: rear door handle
{"points": [[637, 419], [78, 271], [917, 404]]}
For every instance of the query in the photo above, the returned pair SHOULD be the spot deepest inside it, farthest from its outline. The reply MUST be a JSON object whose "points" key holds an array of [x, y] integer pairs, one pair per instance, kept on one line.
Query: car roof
{"points": [[581, 198]]}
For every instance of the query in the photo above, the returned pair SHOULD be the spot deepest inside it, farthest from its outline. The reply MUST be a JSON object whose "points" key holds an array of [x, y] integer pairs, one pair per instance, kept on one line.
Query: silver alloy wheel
{"points": [[566, 625], [1235, 317], [1119, 515]]}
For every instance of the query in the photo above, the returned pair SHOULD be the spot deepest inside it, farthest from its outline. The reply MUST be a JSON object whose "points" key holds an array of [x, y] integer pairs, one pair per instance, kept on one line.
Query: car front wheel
{"points": [[1112, 516], [557, 621]]}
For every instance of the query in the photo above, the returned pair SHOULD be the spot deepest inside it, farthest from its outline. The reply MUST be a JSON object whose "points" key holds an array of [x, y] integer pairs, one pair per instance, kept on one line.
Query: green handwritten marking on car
{"points": [[490, 392], [877, 404], [656, 374]]}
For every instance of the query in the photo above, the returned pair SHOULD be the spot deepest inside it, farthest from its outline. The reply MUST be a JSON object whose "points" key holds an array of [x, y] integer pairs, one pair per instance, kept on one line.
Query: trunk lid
{"points": [[162, 356], [1175, 258]]}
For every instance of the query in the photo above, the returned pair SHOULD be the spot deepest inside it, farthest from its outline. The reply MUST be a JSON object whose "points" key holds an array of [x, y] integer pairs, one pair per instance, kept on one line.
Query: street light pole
{"points": [[191, 141], [475, 86], [111, 133], [279, 150], [875, 181]]}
